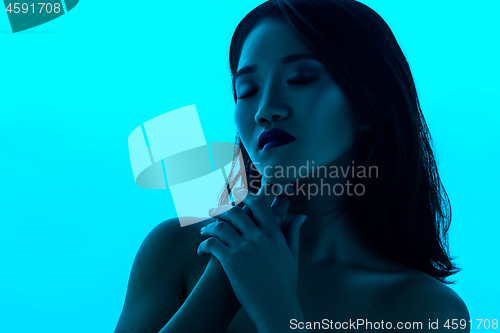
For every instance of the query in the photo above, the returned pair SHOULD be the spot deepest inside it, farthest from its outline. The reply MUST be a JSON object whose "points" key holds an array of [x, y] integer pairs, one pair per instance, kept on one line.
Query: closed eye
{"points": [[251, 93], [301, 80], [296, 80]]}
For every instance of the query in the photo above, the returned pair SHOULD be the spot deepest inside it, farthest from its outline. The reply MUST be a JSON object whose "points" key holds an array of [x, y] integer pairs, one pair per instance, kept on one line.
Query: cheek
{"points": [[343, 124], [334, 125], [243, 125], [238, 120]]}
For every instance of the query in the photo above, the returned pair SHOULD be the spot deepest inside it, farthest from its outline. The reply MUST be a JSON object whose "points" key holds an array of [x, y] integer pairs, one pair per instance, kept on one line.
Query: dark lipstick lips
{"points": [[277, 136]]}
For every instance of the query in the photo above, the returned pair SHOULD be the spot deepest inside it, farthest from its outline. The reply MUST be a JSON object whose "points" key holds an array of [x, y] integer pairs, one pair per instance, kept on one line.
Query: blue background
{"points": [[72, 90]]}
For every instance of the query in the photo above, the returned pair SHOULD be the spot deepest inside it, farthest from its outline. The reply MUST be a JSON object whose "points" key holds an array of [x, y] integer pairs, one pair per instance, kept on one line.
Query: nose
{"points": [[268, 114], [272, 109]]}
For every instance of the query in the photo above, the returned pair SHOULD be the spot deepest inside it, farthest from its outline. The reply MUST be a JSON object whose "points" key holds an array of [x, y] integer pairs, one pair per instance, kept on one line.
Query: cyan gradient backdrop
{"points": [[73, 89]]}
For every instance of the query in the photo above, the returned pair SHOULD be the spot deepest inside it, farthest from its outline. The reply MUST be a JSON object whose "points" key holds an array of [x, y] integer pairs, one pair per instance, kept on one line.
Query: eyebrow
{"points": [[285, 61]]}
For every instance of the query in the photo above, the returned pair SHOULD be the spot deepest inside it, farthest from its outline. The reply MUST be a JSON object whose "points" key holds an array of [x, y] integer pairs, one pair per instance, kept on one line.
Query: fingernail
{"points": [[202, 229], [304, 217]]}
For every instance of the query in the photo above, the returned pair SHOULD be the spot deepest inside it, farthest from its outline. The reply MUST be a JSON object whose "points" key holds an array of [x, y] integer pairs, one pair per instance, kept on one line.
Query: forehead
{"points": [[271, 39]]}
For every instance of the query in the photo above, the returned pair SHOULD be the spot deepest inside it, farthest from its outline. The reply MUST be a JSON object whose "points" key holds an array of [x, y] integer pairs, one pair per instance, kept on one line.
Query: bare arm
{"points": [[155, 300], [210, 307], [430, 304]]}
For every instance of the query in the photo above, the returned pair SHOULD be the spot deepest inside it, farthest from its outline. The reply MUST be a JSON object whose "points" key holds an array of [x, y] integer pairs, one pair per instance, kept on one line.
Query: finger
{"points": [[292, 233], [239, 198], [223, 231], [280, 207], [214, 246], [266, 191], [262, 213], [280, 203], [288, 217], [236, 216], [238, 201]]}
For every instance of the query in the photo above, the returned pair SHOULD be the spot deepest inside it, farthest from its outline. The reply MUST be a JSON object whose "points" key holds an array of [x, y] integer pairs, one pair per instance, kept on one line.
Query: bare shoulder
{"points": [[157, 287], [423, 298], [179, 244], [176, 235]]}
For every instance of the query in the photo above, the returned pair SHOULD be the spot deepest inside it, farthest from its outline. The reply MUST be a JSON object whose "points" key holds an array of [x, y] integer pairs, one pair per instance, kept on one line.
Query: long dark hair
{"points": [[405, 213]]}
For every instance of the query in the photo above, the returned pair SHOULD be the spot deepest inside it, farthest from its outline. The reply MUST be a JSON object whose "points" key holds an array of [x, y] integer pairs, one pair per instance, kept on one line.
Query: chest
{"points": [[334, 296], [323, 305]]}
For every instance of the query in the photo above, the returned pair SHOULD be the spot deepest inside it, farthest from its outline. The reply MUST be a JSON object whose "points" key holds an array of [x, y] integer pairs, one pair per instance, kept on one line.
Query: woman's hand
{"points": [[259, 256]]}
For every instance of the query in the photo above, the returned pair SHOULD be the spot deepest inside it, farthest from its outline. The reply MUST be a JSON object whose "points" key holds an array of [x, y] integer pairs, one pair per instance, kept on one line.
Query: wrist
{"points": [[214, 267]]}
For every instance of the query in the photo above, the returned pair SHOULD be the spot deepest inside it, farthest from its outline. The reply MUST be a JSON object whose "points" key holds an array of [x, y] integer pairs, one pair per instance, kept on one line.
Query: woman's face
{"points": [[283, 86]]}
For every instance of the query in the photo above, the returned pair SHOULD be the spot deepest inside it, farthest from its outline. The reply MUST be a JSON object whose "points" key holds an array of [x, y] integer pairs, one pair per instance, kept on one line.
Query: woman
{"points": [[323, 85]]}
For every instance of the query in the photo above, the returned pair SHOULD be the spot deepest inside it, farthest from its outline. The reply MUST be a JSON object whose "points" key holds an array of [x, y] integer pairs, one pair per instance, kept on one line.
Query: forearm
{"points": [[210, 307], [280, 320]]}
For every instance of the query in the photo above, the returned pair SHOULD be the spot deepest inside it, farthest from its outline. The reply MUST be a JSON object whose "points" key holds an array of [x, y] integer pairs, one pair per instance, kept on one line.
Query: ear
{"points": [[364, 125]]}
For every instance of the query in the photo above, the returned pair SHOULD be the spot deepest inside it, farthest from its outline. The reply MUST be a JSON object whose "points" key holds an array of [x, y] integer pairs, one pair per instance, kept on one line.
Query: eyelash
{"points": [[300, 81]]}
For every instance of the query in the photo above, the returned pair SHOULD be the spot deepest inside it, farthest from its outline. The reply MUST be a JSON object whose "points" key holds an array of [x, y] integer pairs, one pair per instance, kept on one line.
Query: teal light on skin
{"points": [[316, 112], [298, 97]]}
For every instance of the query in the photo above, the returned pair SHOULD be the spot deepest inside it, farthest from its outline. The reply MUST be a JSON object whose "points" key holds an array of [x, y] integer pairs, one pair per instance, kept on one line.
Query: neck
{"points": [[327, 234]]}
